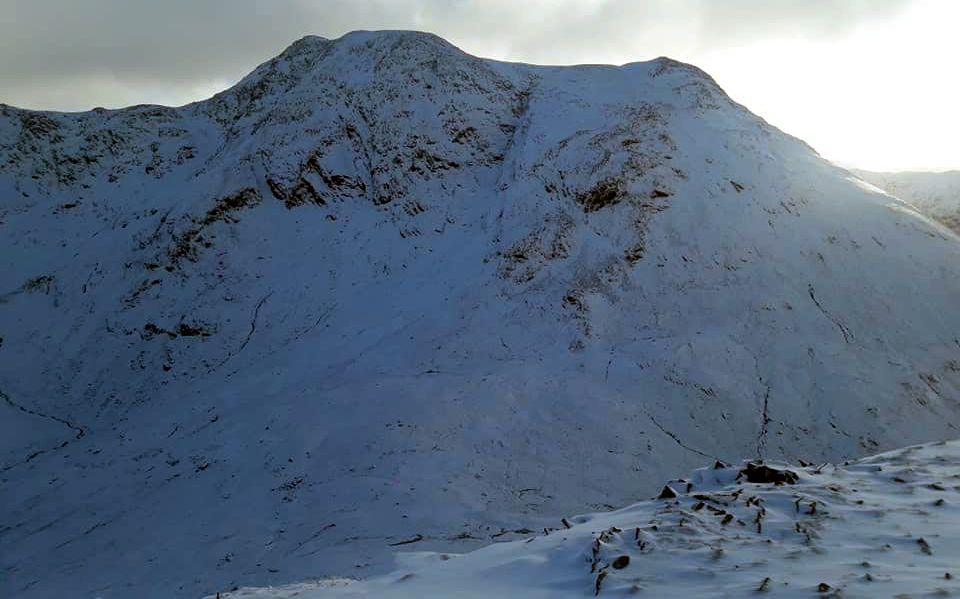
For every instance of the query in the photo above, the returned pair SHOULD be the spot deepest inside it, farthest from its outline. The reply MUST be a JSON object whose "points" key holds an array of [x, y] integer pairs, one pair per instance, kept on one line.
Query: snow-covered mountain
{"points": [[885, 526], [382, 291], [935, 194]]}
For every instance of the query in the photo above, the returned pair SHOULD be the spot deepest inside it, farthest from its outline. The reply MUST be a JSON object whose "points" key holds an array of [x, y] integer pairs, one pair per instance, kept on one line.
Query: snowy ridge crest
{"points": [[877, 527]]}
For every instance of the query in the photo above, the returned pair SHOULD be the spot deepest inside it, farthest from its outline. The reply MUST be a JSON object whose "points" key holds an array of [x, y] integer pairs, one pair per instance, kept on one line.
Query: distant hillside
{"points": [[935, 194]]}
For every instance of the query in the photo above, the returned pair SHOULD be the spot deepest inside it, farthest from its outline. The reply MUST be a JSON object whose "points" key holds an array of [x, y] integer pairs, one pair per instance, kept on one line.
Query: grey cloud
{"points": [[73, 54], [724, 22]]}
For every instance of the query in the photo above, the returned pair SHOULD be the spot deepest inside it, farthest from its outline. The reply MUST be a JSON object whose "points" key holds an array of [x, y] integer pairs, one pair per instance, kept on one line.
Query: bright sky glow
{"points": [[886, 96]]}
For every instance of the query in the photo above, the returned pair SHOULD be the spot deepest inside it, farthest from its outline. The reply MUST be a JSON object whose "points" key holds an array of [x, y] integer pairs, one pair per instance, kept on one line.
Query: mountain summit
{"points": [[382, 294]]}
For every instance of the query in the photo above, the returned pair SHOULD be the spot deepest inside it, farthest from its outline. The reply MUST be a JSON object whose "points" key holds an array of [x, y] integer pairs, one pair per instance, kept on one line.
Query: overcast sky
{"points": [[870, 83]]}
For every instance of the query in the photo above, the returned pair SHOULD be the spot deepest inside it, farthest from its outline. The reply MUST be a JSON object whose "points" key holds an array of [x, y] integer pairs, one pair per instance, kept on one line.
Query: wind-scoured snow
{"points": [[384, 291], [885, 526], [935, 194]]}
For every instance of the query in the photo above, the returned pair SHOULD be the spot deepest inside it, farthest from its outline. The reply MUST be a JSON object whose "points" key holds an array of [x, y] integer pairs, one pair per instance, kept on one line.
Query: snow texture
{"points": [[382, 290]]}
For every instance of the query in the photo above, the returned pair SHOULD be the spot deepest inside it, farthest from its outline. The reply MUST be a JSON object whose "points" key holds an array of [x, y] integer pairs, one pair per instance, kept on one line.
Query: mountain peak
{"points": [[394, 291]]}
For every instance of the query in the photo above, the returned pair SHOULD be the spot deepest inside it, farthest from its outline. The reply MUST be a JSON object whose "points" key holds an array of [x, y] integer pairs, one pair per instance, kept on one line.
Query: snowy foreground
{"points": [[882, 526]]}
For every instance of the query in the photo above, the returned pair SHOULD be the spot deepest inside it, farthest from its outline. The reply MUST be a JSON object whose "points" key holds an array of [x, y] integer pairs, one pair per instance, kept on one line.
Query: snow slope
{"points": [[885, 526], [935, 194], [382, 289]]}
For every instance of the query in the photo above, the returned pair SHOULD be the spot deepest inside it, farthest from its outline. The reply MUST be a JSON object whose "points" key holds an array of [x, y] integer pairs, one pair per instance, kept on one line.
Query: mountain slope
{"points": [[382, 290], [935, 194], [880, 527]]}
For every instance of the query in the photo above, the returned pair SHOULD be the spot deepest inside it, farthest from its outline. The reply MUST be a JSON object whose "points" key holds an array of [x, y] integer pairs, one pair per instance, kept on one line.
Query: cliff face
{"points": [[382, 290]]}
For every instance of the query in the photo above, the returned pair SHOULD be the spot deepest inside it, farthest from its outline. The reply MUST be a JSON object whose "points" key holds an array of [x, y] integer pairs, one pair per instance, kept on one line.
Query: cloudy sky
{"points": [[869, 83]]}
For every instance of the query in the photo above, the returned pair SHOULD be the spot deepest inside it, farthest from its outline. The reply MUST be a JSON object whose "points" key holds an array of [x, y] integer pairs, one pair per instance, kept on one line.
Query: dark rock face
{"points": [[763, 474]]}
